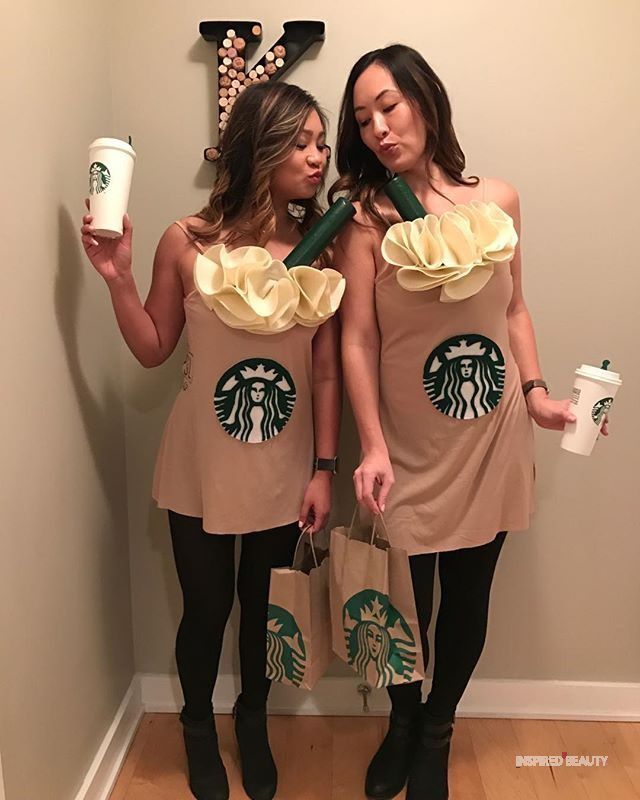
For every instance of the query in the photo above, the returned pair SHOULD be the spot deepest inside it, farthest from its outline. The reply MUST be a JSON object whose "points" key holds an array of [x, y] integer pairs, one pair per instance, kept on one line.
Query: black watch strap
{"points": [[328, 464], [529, 385]]}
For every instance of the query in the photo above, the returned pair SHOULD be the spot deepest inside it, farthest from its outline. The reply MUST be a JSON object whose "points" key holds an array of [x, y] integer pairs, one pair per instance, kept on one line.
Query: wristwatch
{"points": [[328, 464], [529, 385]]}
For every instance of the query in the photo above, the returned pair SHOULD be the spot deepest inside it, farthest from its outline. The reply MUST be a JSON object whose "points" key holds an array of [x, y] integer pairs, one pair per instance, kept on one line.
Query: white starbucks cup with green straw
{"points": [[593, 393], [110, 171]]}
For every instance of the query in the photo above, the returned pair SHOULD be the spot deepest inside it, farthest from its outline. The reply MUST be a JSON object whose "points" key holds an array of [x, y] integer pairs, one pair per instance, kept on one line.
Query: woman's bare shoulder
{"points": [[175, 241], [501, 192], [193, 222]]}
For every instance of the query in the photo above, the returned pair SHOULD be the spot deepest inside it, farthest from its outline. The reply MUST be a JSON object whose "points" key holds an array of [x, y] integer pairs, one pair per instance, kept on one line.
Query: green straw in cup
{"points": [[403, 198], [325, 229]]}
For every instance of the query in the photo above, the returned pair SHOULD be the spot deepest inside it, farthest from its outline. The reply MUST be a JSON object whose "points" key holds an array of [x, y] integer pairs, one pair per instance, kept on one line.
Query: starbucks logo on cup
{"points": [[99, 177], [464, 376], [286, 653], [254, 399], [600, 409], [380, 644]]}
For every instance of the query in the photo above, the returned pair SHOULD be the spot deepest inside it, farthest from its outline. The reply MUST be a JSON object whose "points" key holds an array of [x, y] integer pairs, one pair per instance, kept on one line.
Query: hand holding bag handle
{"points": [[298, 564], [380, 541]]}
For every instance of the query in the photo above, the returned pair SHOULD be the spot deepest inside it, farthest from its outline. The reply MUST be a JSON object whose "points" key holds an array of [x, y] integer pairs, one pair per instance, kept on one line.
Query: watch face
{"points": [[329, 464]]}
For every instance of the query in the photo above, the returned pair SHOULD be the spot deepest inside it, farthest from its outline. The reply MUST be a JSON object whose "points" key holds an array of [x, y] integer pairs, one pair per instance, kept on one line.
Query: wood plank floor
{"points": [[325, 758]]}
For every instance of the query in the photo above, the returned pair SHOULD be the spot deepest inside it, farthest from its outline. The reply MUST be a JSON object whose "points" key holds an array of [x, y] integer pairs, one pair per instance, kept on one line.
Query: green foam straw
{"points": [[325, 229], [402, 197], [605, 364]]}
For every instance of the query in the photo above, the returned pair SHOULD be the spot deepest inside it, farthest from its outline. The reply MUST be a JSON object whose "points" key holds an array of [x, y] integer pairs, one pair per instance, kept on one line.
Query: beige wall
{"points": [[66, 650], [546, 99]]}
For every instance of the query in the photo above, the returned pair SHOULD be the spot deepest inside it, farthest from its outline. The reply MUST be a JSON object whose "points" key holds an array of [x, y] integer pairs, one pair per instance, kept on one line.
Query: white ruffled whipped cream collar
{"points": [[251, 291], [456, 250]]}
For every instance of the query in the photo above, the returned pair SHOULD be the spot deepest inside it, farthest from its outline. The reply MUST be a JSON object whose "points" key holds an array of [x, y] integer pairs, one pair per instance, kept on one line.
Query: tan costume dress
{"points": [[237, 448], [453, 415]]}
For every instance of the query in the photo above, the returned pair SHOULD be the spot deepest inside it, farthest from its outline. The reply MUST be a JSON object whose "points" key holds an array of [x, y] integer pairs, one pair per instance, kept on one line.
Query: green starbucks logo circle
{"points": [[380, 644], [254, 399], [286, 653], [464, 376], [99, 177], [600, 409]]}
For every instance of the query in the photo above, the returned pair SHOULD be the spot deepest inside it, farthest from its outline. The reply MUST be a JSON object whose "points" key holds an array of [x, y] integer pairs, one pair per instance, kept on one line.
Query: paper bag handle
{"points": [[303, 533], [376, 517]]}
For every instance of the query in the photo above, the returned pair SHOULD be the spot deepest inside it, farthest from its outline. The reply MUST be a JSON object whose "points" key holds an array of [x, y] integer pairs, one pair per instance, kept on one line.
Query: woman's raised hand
{"points": [[110, 257]]}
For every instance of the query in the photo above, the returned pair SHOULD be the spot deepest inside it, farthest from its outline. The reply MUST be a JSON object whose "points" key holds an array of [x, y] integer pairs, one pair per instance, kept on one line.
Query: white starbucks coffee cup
{"points": [[593, 392], [110, 170]]}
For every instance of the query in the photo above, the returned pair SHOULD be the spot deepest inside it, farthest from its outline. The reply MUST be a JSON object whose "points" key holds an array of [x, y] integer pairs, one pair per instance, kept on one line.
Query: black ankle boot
{"points": [[389, 768], [428, 779], [259, 775], [207, 775]]}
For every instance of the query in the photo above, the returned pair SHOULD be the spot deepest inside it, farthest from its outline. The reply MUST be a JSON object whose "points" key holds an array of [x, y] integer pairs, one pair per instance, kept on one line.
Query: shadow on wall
{"points": [[103, 418], [101, 413]]}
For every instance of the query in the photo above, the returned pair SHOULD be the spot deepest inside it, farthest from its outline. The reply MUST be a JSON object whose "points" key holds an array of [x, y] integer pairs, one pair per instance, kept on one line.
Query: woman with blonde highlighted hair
{"points": [[261, 395]]}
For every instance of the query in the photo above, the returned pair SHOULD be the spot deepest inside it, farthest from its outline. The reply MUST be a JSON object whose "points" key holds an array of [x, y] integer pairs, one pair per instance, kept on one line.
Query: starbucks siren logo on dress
{"points": [[99, 177], [464, 376], [254, 399]]}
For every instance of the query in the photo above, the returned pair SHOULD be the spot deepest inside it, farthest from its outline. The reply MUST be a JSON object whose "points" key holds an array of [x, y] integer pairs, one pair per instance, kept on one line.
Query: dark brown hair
{"points": [[361, 173], [261, 133]]}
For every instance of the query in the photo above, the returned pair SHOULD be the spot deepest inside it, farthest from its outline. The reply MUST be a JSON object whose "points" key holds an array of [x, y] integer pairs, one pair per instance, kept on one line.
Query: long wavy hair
{"points": [[261, 133], [361, 173]]}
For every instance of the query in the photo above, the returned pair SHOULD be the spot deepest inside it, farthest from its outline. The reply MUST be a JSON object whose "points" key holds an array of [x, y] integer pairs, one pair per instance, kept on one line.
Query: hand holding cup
{"points": [[547, 413], [111, 258]]}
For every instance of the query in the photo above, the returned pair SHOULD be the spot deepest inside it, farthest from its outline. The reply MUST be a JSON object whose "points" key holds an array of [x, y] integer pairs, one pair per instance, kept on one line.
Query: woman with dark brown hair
{"points": [[441, 368], [261, 393]]}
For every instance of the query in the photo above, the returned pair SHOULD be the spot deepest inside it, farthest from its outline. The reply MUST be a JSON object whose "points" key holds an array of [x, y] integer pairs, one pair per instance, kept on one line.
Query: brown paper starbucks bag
{"points": [[299, 621], [374, 623]]}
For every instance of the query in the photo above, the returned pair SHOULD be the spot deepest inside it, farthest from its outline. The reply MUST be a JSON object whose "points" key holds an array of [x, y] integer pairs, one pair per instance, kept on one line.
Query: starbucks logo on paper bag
{"points": [[99, 177], [464, 376], [380, 644], [286, 653], [600, 409], [254, 399]]}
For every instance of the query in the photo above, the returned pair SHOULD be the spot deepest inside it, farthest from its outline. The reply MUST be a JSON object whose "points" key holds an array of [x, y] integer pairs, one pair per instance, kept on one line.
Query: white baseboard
{"points": [[577, 700], [521, 699], [104, 769]]}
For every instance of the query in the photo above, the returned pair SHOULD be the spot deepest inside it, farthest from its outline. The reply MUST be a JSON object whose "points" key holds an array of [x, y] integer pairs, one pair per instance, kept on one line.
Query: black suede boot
{"points": [[389, 768], [207, 775], [259, 774], [428, 779]]}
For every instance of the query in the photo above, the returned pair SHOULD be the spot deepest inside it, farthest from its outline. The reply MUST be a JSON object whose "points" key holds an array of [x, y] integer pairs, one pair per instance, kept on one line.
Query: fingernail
{"points": [[382, 507], [300, 524]]}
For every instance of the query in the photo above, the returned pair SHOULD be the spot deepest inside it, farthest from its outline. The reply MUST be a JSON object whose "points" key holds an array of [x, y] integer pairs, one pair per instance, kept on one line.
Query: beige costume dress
{"points": [[237, 448], [453, 415]]}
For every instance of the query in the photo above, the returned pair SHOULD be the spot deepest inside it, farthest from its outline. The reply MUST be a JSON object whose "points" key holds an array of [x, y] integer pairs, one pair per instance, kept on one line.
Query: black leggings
{"points": [[206, 571], [461, 623]]}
